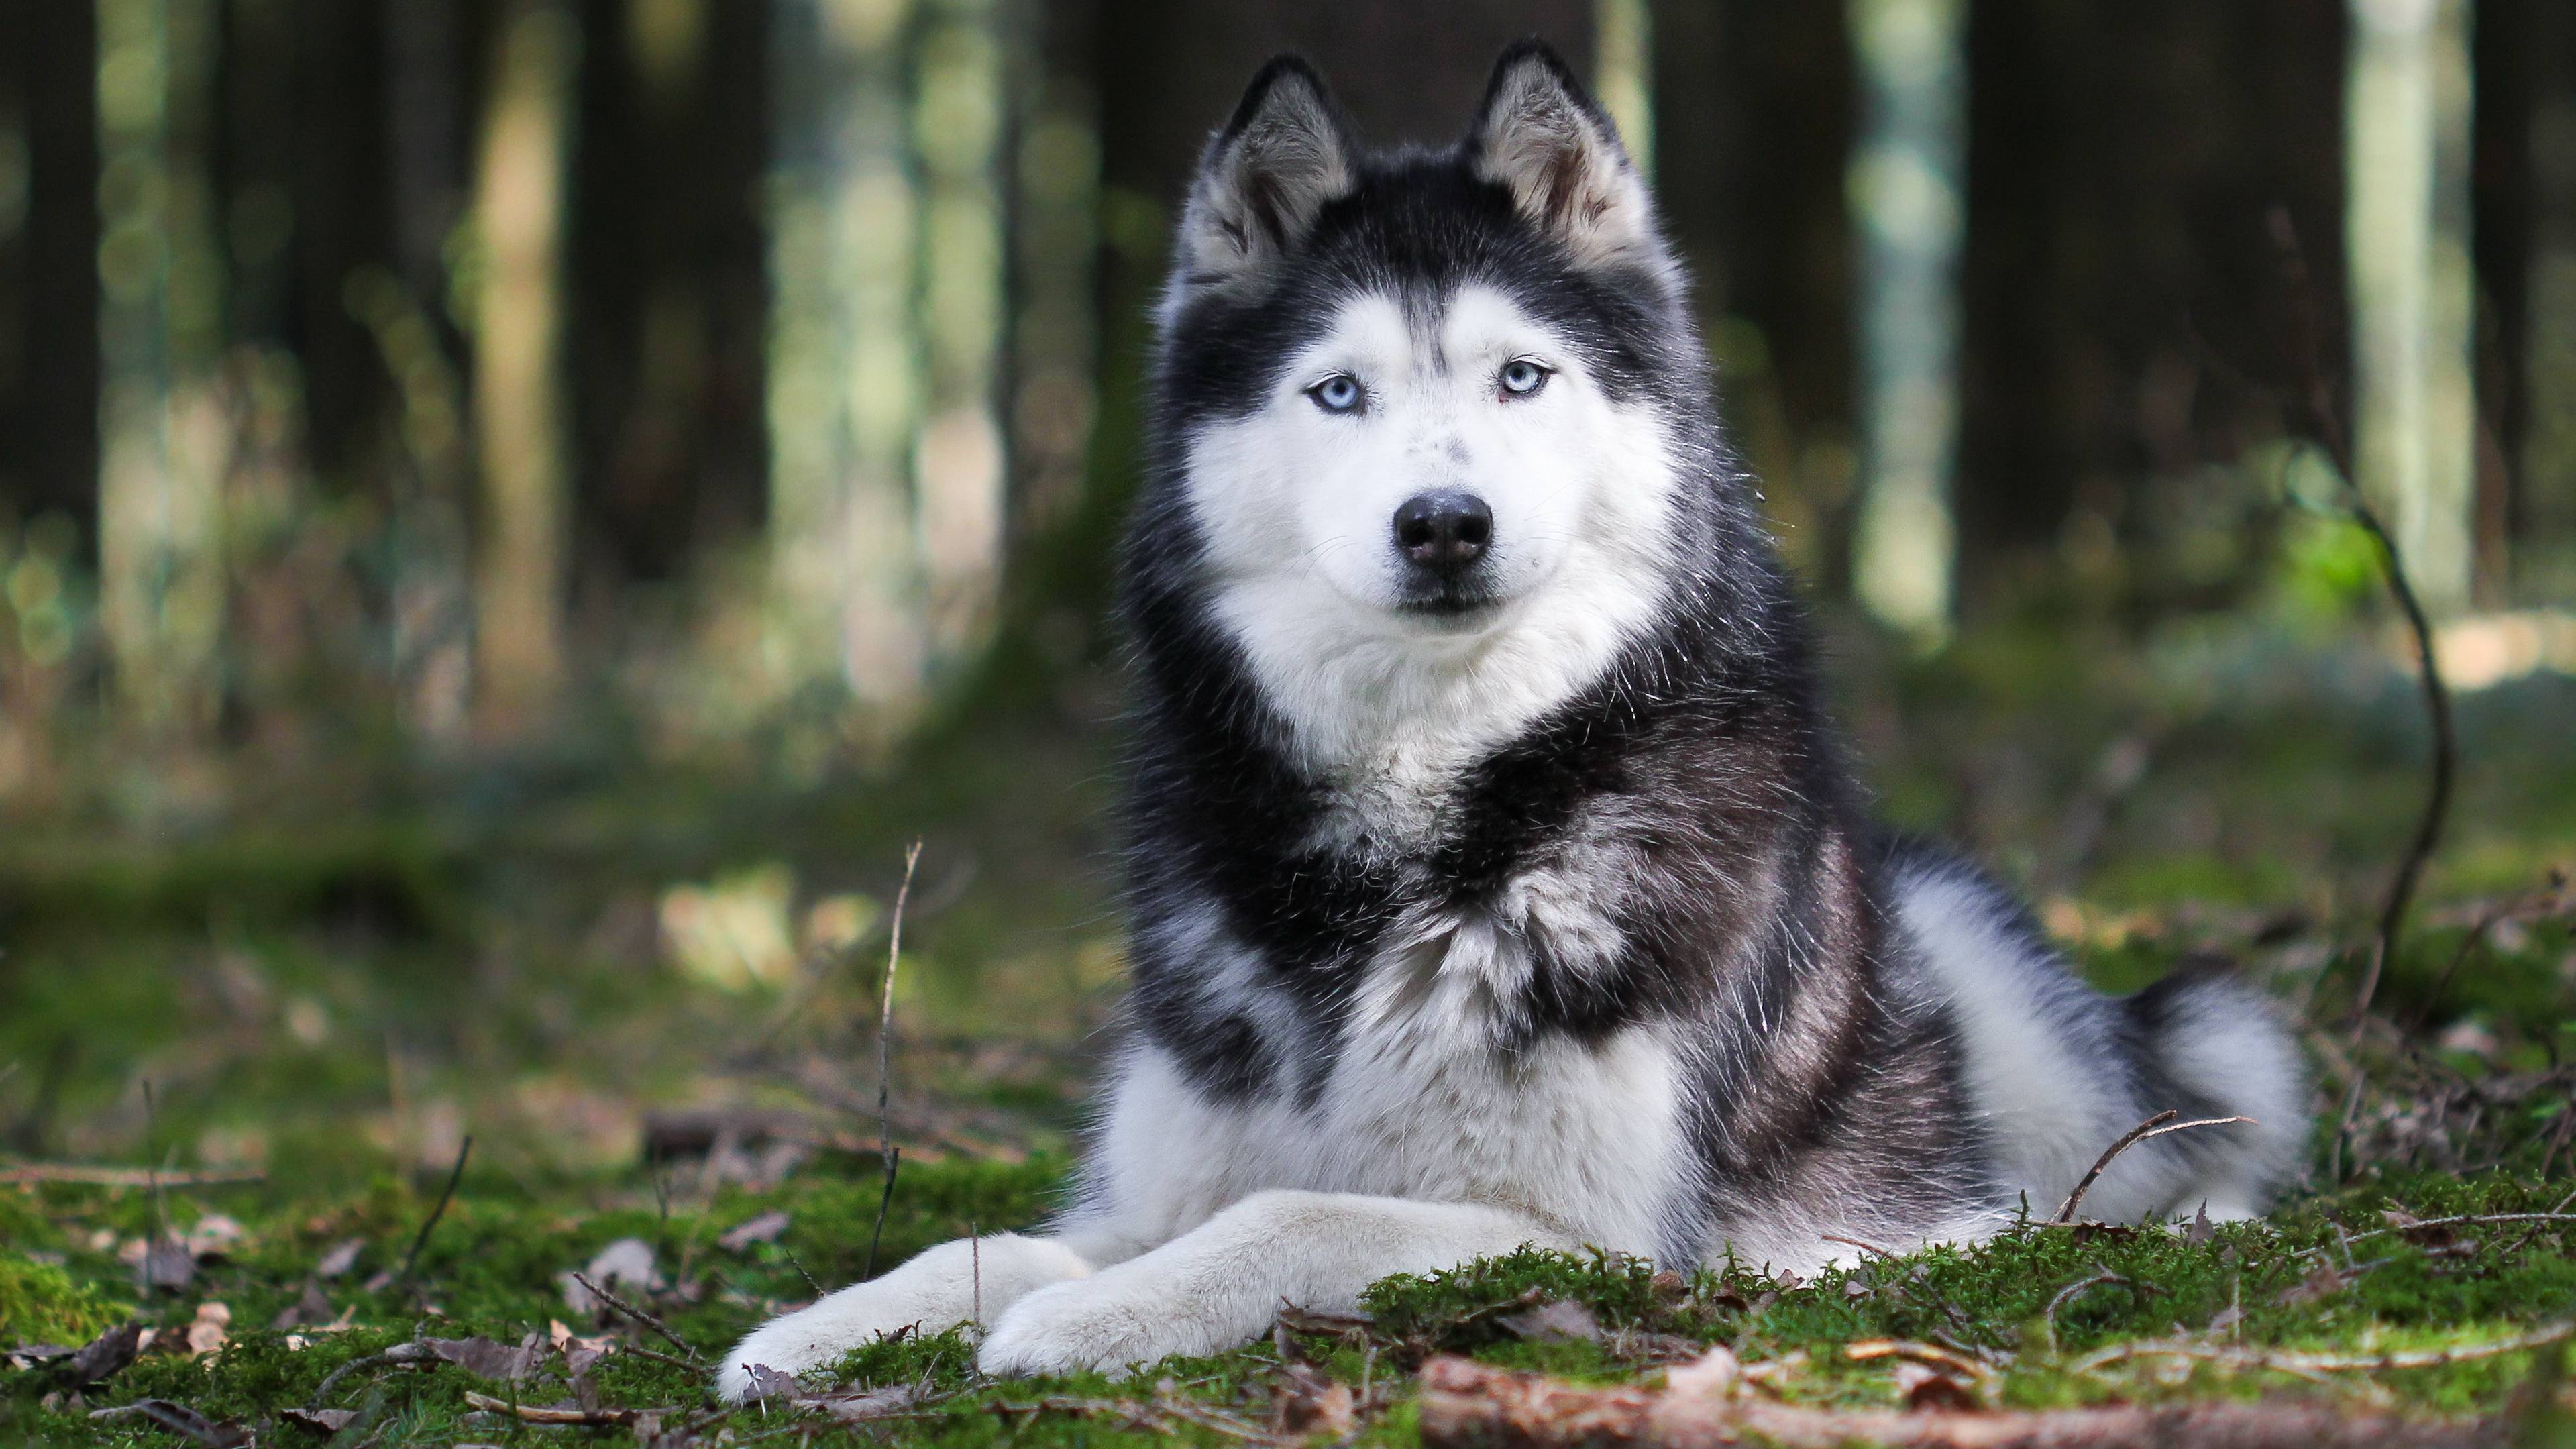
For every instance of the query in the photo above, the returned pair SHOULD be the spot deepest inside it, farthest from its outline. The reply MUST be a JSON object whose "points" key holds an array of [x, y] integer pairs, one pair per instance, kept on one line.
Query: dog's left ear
{"points": [[1541, 137]]}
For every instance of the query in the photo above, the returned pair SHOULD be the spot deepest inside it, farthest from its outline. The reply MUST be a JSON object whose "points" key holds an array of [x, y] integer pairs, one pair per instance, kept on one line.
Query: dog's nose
{"points": [[1444, 530]]}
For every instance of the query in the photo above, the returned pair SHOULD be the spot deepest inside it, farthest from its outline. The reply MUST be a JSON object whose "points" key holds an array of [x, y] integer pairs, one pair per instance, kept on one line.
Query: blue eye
{"points": [[1339, 393], [1522, 377]]}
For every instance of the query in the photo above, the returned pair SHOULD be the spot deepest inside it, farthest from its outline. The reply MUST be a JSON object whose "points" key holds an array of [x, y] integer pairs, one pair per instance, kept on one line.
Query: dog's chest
{"points": [[1422, 1102]]}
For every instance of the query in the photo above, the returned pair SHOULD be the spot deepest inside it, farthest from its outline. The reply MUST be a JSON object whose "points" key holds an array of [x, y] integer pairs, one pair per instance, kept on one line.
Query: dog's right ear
{"points": [[1262, 180]]}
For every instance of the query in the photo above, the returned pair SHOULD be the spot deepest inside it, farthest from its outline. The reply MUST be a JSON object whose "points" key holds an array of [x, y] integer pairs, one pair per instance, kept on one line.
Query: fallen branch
{"points": [[2291, 1361], [88, 1175], [532, 1414], [2155, 1126], [1466, 1403], [642, 1317]]}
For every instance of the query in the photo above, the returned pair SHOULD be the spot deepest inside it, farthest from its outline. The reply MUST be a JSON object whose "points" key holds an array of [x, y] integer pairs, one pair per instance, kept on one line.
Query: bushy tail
{"points": [[2214, 1046]]}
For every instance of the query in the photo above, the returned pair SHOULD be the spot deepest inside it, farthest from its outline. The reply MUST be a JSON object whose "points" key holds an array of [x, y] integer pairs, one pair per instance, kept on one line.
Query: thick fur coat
{"points": [[1495, 876]]}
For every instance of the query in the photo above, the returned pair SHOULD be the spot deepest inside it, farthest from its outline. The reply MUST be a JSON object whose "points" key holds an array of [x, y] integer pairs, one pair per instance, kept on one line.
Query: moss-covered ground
{"points": [[651, 1002]]}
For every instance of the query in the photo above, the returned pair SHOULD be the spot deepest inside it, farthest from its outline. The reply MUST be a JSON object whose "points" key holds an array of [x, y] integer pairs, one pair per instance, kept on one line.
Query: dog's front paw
{"points": [[795, 1344], [1109, 1323]]}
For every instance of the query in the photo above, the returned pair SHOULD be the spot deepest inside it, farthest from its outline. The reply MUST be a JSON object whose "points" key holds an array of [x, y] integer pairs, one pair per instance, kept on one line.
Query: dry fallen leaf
{"points": [[488, 1357], [857, 1408], [339, 1258], [762, 1229], [328, 1421], [1563, 1320], [624, 1265], [1308, 1402], [1715, 1372], [1926, 1387], [205, 1333], [104, 1357]]}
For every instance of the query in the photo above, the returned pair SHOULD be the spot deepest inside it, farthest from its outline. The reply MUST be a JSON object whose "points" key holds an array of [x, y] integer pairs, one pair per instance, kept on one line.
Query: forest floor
{"points": [[650, 998]]}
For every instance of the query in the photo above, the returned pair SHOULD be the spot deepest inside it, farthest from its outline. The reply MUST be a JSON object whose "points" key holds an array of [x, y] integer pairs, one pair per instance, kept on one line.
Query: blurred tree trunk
{"points": [[1754, 110], [519, 405], [844, 376], [2543, 445], [666, 282], [49, 401], [340, 195], [2123, 301], [164, 428]]}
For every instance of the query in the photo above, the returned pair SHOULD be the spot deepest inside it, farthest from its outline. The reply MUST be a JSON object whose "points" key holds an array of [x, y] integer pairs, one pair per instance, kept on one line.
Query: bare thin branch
{"points": [[885, 1054], [2328, 427], [2155, 1126], [640, 1316], [455, 1175]]}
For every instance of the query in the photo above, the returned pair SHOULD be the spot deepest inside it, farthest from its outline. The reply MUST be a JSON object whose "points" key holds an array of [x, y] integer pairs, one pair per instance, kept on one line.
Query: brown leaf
{"points": [[1561, 1321], [1308, 1402], [180, 1419], [205, 1333], [329, 1421], [2322, 1282], [1715, 1372], [167, 1264], [104, 1357], [769, 1383], [859, 1407], [486, 1357], [623, 1267], [1926, 1387], [339, 1258], [762, 1229], [312, 1308], [2200, 1231]]}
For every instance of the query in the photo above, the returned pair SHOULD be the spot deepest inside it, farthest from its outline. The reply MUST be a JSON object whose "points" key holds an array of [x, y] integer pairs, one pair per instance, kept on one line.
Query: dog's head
{"points": [[1416, 401]]}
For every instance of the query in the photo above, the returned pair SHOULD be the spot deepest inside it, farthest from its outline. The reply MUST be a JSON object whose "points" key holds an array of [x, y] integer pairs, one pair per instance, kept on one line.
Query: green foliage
{"points": [[40, 1303]]}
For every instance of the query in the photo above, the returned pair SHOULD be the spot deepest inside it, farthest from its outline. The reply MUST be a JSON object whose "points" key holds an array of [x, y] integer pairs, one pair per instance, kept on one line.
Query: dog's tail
{"points": [[2210, 1045]]}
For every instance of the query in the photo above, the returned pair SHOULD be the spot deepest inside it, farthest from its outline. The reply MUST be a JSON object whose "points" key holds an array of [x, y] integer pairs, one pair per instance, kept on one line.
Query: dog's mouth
{"points": [[1448, 601]]}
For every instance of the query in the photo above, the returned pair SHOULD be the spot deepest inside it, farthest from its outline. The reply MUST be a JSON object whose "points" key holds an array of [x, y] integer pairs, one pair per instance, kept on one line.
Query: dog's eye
{"points": [[1339, 393], [1522, 377]]}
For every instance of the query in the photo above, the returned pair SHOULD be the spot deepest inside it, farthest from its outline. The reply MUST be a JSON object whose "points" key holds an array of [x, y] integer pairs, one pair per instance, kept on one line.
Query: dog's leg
{"points": [[936, 1291], [1222, 1283]]}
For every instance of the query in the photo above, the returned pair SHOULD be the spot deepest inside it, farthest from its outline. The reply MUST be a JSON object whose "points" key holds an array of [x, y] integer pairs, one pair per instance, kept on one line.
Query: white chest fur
{"points": [[1419, 1103]]}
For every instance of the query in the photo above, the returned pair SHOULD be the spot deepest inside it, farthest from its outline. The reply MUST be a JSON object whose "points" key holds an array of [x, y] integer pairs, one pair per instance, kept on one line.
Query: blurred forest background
{"points": [[513, 511]]}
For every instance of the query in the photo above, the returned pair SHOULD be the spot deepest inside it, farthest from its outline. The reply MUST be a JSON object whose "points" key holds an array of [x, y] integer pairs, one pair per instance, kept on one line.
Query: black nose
{"points": [[1444, 530]]}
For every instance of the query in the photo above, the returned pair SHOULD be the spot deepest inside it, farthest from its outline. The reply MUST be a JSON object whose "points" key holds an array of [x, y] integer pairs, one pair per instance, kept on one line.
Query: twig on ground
{"points": [[1465, 1403], [2456, 1221], [2155, 1126], [885, 1054], [2070, 1291], [642, 1317], [2291, 1361], [532, 1414], [400, 1355], [2437, 694], [455, 1175], [637, 1351]]}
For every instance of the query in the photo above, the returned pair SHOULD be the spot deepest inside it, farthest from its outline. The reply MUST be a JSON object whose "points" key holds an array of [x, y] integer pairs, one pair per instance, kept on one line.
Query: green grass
{"points": [[2326, 1276], [332, 984]]}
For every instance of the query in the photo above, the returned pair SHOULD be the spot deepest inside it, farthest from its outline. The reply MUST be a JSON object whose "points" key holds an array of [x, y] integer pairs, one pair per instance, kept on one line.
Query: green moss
{"points": [[40, 1303]]}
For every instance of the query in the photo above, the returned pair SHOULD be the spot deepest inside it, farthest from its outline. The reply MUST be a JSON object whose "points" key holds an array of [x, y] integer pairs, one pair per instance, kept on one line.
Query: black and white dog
{"points": [[1495, 876]]}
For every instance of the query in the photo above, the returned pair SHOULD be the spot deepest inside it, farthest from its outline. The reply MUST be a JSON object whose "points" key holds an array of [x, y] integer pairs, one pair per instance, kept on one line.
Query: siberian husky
{"points": [[1495, 877]]}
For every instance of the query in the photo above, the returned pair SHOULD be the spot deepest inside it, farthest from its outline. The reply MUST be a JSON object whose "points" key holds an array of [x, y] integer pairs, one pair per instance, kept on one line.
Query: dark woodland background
{"points": [[513, 511]]}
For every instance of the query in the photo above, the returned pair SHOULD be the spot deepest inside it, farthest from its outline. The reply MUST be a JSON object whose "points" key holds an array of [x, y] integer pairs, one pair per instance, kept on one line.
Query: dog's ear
{"points": [[1262, 180], [1539, 136]]}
